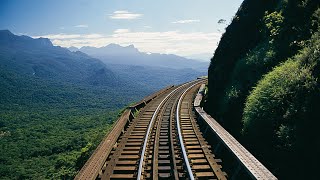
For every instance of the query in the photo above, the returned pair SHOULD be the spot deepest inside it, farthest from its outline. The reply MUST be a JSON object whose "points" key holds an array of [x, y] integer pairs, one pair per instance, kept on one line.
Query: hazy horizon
{"points": [[185, 28]]}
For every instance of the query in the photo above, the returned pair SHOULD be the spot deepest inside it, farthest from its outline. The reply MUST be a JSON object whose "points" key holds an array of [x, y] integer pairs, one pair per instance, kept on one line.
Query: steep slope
{"points": [[263, 89], [39, 58]]}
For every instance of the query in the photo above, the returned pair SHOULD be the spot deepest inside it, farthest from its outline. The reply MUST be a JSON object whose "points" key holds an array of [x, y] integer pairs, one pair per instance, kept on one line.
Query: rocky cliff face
{"points": [[263, 83]]}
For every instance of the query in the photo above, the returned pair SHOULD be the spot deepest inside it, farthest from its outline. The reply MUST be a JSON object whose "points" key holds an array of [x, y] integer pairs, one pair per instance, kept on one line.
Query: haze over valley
{"points": [[49, 93]]}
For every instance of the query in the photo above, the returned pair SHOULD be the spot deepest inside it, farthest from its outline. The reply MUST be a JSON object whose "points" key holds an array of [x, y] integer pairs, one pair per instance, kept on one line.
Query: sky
{"points": [[187, 28]]}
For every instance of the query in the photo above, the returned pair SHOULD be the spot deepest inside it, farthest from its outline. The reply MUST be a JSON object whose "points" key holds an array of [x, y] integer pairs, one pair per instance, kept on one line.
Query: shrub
{"points": [[278, 99], [281, 118]]}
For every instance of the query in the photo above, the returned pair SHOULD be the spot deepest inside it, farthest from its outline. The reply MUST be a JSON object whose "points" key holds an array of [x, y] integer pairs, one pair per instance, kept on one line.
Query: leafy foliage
{"points": [[281, 110], [266, 86], [241, 36], [282, 93], [45, 144], [273, 22]]}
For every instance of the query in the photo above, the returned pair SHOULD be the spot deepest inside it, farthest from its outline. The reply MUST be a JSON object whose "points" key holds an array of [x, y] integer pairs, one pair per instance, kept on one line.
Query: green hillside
{"points": [[55, 107], [264, 83]]}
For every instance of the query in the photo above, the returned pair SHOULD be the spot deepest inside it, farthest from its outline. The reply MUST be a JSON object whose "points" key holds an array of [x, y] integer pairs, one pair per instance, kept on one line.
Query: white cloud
{"points": [[92, 36], [60, 36], [117, 31], [186, 21], [124, 15], [81, 26], [168, 42]]}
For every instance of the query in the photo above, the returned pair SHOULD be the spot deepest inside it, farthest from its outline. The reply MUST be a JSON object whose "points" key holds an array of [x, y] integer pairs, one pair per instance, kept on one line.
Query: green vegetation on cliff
{"points": [[263, 83]]}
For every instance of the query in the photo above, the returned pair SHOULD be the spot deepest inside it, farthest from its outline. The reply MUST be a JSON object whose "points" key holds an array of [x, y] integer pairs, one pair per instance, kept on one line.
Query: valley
{"points": [[57, 105]]}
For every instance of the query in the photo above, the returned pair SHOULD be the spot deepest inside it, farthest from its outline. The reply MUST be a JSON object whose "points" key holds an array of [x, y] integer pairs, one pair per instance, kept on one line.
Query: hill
{"points": [[40, 59], [263, 83], [56, 106]]}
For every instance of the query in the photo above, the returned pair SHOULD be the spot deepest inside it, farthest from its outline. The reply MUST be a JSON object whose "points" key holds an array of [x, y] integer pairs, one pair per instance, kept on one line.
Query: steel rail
{"points": [[148, 132], [150, 126], [94, 164], [185, 156], [156, 145], [174, 161]]}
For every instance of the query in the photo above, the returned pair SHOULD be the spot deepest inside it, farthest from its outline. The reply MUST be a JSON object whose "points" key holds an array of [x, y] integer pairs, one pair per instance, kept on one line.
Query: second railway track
{"points": [[163, 142]]}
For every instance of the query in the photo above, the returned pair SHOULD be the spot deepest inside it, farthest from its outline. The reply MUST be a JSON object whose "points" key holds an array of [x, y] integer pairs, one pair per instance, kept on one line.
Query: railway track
{"points": [[163, 142]]}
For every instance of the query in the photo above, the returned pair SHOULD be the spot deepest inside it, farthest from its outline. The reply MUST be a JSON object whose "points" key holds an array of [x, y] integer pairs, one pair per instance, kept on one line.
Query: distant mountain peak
{"points": [[131, 46], [7, 37], [39, 58], [44, 41], [6, 32], [111, 49], [113, 45], [73, 49], [117, 46]]}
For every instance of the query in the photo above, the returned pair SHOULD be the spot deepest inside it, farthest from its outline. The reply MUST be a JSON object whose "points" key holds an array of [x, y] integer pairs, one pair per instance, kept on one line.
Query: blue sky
{"points": [[184, 27]]}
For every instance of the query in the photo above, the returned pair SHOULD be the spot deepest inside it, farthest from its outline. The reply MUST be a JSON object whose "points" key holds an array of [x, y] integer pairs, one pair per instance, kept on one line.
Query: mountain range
{"points": [[38, 58], [40, 63], [129, 55]]}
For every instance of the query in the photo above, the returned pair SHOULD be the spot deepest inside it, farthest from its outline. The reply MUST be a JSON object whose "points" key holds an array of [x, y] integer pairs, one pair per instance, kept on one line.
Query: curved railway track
{"points": [[162, 142]]}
